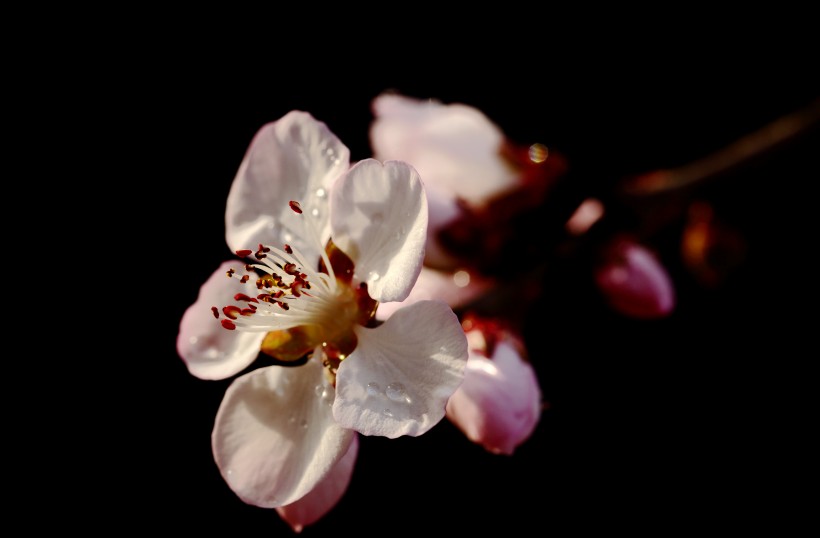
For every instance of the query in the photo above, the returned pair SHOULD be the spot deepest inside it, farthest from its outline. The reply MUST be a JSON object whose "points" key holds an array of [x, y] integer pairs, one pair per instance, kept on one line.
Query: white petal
{"points": [[455, 289], [378, 214], [209, 350], [499, 403], [399, 377], [322, 498], [275, 438], [455, 148], [295, 158]]}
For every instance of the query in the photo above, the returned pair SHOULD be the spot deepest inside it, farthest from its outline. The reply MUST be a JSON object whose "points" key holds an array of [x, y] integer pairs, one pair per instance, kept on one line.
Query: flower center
{"points": [[300, 308]]}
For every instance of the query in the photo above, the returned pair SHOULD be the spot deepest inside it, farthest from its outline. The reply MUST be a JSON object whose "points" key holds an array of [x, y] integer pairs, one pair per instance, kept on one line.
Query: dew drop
{"points": [[373, 275], [329, 151], [373, 389], [388, 413], [321, 192], [395, 391], [319, 390], [287, 237], [230, 472], [193, 340], [314, 212]]}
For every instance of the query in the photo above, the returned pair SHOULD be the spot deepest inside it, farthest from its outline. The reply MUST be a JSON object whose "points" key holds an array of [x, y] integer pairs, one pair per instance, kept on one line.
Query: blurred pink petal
{"points": [[455, 148], [456, 289], [322, 498], [634, 282], [209, 351], [587, 214], [499, 403]]}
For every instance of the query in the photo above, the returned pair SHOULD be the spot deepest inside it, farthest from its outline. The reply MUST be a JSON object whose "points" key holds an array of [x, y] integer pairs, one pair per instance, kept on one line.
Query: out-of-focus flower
{"points": [[282, 430], [478, 183], [499, 403], [633, 281], [588, 213], [709, 248]]}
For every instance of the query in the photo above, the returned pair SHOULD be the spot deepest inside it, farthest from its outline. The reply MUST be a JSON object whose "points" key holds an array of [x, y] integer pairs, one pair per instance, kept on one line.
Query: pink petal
{"points": [[499, 403], [295, 158], [378, 214], [274, 437], [455, 148], [322, 498], [634, 281], [399, 377], [454, 288], [209, 350]]}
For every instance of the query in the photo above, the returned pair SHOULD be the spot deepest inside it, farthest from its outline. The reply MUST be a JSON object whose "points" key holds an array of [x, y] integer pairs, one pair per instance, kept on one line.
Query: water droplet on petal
{"points": [[373, 389], [321, 192], [388, 413], [395, 391], [373, 275], [329, 151], [319, 390], [193, 340], [287, 237], [230, 472]]}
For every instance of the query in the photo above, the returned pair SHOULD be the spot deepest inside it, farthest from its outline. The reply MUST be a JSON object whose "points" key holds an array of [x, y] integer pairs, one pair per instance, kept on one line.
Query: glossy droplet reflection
{"points": [[321, 192], [373, 389], [373, 275], [395, 391], [538, 153], [388, 413]]}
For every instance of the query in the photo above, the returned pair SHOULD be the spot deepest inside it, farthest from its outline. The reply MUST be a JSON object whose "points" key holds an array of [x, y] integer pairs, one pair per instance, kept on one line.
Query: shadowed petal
{"points": [[209, 350], [275, 438]]}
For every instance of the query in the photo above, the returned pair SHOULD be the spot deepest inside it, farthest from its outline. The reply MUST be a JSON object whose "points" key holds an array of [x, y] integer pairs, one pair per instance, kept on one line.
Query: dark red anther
{"points": [[284, 305], [244, 253], [288, 249], [295, 288], [290, 268], [231, 311], [260, 255], [263, 248], [244, 278], [294, 205], [228, 324], [278, 294], [247, 311], [215, 310], [303, 276], [230, 272], [243, 297], [268, 284], [252, 307], [249, 268], [265, 298]]}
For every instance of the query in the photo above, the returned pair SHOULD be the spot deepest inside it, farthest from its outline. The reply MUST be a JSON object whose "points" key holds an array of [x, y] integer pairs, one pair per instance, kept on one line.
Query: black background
{"points": [[652, 426]]}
